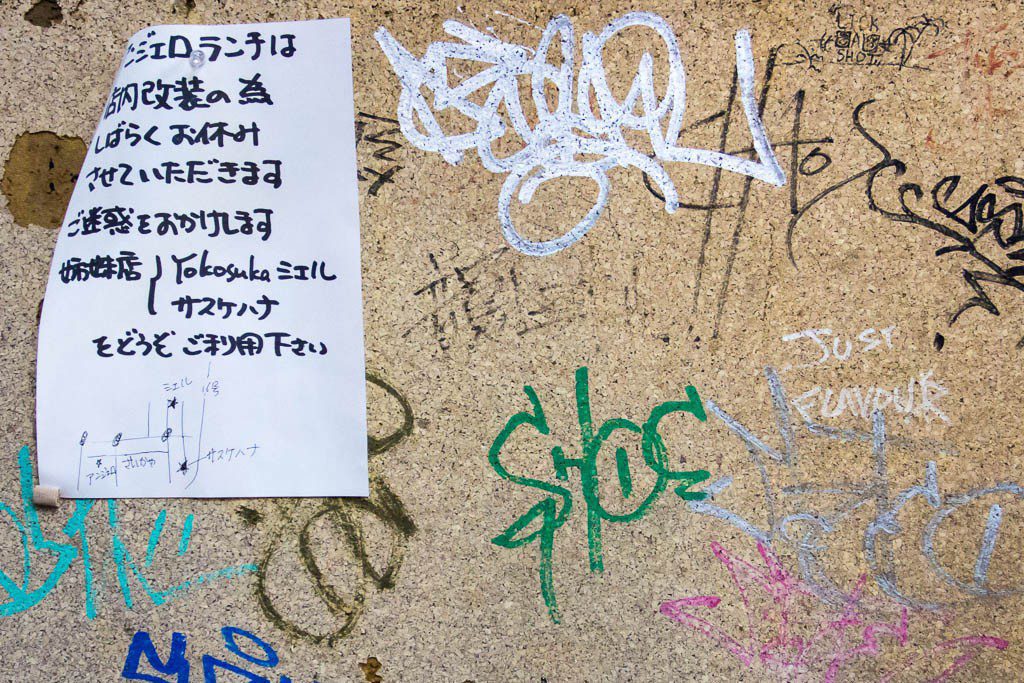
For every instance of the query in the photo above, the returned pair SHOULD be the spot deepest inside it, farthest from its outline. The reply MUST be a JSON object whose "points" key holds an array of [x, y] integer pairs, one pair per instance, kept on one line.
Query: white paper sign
{"points": [[202, 331]]}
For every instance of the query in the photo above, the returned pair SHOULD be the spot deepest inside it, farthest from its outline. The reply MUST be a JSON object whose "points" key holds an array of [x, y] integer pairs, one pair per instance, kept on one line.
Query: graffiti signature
{"points": [[554, 509], [554, 146], [823, 512], [382, 504], [963, 225], [178, 666], [31, 590], [775, 640]]}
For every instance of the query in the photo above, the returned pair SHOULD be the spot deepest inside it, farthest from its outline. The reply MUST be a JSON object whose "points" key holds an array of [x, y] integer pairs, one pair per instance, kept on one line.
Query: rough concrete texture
{"points": [[407, 585]]}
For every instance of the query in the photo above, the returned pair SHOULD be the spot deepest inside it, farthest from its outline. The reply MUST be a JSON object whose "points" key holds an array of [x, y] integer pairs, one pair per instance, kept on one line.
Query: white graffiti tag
{"points": [[811, 517], [571, 140]]}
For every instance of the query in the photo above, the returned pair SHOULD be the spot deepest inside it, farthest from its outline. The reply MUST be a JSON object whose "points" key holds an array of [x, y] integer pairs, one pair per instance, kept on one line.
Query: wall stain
{"points": [[183, 6], [382, 504], [370, 668], [39, 176], [249, 516], [45, 14]]}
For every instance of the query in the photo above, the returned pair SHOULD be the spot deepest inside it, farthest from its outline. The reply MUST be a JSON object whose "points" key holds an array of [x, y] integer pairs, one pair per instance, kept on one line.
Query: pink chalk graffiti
{"points": [[802, 641]]}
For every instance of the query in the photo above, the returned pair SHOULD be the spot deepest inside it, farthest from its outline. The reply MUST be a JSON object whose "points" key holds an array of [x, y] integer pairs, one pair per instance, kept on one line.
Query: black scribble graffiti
{"points": [[372, 129], [713, 204], [723, 291], [797, 212], [798, 54], [964, 219], [807, 158], [709, 215], [964, 226], [487, 298], [906, 38], [855, 39], [344, 608], [379, 178], [381, 445], [686, 129]]}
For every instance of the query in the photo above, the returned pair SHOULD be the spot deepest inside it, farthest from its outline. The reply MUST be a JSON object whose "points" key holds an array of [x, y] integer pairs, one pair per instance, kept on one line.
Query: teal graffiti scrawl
{"points": [[33, 588], [540, 522]]}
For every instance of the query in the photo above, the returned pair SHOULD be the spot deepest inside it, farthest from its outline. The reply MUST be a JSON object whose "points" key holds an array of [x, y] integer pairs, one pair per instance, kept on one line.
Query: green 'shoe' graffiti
{"points": [[554, 509]]}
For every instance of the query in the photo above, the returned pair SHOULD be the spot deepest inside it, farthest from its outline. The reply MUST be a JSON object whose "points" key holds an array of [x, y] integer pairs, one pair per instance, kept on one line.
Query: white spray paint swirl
{"points": [[552, 149]]}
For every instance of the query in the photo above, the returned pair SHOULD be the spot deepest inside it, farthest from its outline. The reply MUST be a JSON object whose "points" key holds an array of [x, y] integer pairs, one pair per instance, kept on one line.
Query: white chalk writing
{"points": [[554, 146]]}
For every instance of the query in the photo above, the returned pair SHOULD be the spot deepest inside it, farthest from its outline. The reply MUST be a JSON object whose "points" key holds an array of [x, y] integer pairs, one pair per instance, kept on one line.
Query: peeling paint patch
{"points": [[183, 7], [249, 516], [39, 176], [370, 668], [45, 14]]}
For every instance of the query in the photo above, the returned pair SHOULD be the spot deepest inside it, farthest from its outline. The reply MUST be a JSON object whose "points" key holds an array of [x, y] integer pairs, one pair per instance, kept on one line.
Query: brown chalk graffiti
{"points": [[378, 446], [344, 607]]}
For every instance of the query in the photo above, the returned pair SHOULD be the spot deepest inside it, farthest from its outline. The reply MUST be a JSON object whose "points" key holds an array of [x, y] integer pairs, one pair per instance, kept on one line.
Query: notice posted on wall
{"points": [[202, 330]]}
